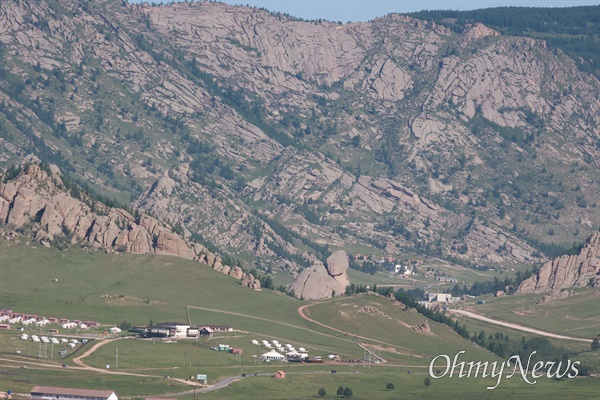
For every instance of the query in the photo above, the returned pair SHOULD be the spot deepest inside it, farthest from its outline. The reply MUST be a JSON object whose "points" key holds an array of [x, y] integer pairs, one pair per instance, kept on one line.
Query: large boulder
{"points": [[337, 263], [320, 282]]}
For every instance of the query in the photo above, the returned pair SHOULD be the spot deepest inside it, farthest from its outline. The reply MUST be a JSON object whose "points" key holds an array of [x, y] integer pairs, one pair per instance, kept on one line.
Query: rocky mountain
{"points": [[36, 202], [267, 138], [568, 271]]}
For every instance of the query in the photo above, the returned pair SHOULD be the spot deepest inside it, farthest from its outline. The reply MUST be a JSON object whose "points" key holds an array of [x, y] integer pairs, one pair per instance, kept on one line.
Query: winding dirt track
{"points": [[517, 326], [302, 310]]}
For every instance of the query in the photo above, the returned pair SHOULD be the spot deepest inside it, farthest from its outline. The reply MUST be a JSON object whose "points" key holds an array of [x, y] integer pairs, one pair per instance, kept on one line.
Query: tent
{"points": [[272, 355]]}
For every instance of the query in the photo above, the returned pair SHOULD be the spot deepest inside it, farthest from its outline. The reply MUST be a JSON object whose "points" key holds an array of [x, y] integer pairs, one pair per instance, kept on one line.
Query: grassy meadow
{"points": [[75, 284], [577, 316]]}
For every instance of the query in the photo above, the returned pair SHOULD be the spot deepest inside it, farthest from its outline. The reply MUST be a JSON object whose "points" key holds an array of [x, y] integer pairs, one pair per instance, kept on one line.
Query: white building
{"points": [[439, 297], [272, 356], [114, 329], [57, 393]]}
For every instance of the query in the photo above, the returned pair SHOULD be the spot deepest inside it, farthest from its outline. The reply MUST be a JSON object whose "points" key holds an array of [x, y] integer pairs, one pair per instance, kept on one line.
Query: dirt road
{"points": [[303, 311], [517, 326]]}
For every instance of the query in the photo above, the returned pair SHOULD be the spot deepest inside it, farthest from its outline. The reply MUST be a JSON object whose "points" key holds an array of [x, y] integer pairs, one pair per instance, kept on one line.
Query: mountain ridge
{"points": [[397, 135]]}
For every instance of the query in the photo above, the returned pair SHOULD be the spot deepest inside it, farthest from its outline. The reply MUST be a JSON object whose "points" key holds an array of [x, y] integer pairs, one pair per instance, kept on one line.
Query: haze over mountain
{"points": [[268, 138]]}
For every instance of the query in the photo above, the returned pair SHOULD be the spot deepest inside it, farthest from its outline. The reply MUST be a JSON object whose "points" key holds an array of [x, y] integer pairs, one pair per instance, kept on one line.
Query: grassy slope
{"points": [[577, 315], [26, 284], [392, 328]]}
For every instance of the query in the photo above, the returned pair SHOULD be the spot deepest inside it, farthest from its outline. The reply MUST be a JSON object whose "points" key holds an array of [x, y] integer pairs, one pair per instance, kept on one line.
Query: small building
{"points": [[89, 323], [272, 356], [206, 331], [114, 329], [168, 329], [64, 320], [236, 351], [193, 332], [223, 347], [4, 327], [279, 375], [6, 312], [439, 297], [218, 328], [54, 393]]}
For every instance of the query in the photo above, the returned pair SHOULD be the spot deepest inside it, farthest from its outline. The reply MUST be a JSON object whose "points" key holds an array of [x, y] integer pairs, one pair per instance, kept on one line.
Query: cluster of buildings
{"points": [[11, 317], [403, 270], [446, 279], [177, 330], [391, 259], [283, 352]]}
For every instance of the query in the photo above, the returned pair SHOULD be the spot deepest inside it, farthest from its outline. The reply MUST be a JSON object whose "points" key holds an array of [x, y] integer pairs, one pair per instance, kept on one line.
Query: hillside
{"points": [[35, 202], [266, 138], [574, 30]]}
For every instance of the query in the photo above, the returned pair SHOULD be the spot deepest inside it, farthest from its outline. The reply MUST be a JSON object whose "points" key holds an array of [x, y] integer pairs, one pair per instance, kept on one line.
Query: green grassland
{"points": [[160, 287], [394, 329], [577, 316], [23, 380], [372, 385]]}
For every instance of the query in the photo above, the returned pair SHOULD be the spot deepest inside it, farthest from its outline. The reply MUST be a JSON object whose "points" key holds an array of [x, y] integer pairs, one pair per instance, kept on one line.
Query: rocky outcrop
{"points": [[372, 310], [568, 271], [37, 201], [250, 281], [556, 296], [425, 329], [337, 265], [319, 282]]}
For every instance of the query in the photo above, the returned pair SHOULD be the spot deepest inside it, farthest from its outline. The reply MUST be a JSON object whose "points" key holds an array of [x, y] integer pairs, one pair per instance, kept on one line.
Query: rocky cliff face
{"points": [[323, 282], [397, 134], [568, 271], [37, 202]]}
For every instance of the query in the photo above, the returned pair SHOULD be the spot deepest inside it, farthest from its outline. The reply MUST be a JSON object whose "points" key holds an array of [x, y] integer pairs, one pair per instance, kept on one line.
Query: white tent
{"points": [[272, 355]]}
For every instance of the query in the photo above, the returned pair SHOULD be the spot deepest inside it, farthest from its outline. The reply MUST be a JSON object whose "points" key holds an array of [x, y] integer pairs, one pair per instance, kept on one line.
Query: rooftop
{"points": [[72, 391]]}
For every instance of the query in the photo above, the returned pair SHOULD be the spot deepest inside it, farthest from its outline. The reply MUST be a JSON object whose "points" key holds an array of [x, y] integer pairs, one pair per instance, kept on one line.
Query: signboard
{"points": [[201, 377]]}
